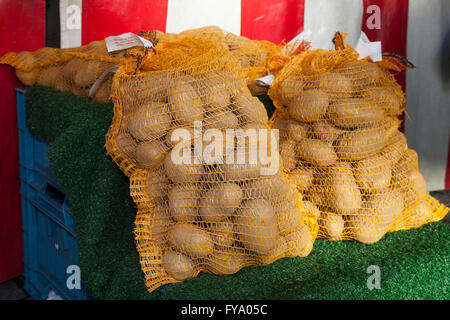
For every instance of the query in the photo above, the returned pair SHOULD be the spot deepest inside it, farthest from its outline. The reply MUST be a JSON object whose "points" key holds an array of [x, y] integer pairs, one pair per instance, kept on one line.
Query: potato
{"points": [[332, 225], [96, 45], [290, 129], [289, 217], [226, 261], [220, 202], [89, 72], [150, 122], [336, 86], [420, 214], [47, 76], [177, 265], [289, 154], [185, 103], [407, 162], [168, 138], [278, 251], [344, 195], [159, 223], [223, 233], [389, 98], [311, 105], [150, 154], [28, 78], [383, 208], [290, 88], [103, 93], [183, 203], [156, 184], [70, 69], [220, 120], [190, 240], [361, 73], [250, 109], [363, 229], [182, 173], [316, 152], [302, 176], [244, 167], [354, 113], [299, 243], [308, 208], [373, 174], [395, 147], [257, 225], [126, 145], [147, 88], [359, 144], [274, 188], [418, 184], [325, 131], [214, 93]]}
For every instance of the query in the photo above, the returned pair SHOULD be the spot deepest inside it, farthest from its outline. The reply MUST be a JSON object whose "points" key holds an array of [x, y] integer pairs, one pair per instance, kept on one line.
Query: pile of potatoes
{"points": [[340, 143], [197, 217], [72, 70]]}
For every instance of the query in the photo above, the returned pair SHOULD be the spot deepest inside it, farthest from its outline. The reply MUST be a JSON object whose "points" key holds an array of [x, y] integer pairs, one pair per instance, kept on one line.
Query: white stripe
{"points": [[70, 21], [428, 104], [325, 17], [189, 14]]}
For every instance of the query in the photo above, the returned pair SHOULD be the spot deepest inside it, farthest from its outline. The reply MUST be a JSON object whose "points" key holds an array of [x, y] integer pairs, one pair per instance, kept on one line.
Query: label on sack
{"points": [[265, 81], [366, 48], [125, 41]]}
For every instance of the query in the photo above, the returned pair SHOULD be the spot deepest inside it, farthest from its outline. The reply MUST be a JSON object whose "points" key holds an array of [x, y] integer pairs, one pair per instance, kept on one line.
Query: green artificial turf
{"points": [[414, 264]]}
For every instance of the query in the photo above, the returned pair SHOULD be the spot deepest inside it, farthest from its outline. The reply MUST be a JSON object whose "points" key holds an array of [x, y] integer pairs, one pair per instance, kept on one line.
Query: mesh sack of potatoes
{"points": [[252, 55], [340, 144], [73, 70], [206, 213]]}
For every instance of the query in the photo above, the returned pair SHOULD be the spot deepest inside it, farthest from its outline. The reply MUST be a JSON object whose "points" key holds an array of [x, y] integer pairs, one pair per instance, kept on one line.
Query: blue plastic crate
{"points": [[50, 242], [50, 254], [32, 150]]}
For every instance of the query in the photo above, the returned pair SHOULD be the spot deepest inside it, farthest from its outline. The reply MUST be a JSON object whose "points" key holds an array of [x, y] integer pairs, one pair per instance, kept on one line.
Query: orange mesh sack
{"points": [[340, 144], [73, 70], [252, 55], [196, 214]]}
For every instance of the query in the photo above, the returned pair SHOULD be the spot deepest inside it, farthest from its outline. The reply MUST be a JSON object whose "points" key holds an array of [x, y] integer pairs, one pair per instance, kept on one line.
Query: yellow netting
{"points": [[199, 216], [340, 143], [73, 70], [252, 55]]}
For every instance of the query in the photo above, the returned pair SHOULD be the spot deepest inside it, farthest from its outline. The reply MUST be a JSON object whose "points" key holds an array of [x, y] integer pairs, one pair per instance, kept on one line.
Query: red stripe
{"points": [[22, 28], [106, 18], [273, 20], [393, 31]]}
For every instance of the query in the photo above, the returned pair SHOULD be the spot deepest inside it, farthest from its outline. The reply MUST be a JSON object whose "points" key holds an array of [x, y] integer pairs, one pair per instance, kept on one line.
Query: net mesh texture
{"points": [[199, 216], [340, 143]]}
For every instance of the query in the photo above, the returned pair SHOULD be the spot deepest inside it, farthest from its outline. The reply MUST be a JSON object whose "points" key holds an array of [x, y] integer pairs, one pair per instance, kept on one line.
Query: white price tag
{"points": [[125, 41], [365, 48], [265, 81]]}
